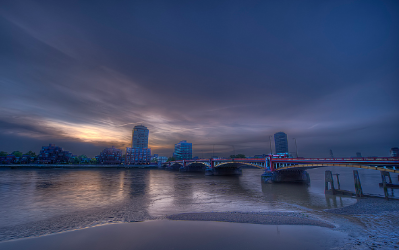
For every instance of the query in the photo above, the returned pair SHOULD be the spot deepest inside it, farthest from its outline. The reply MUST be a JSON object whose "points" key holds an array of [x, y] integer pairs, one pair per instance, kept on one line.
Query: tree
{"points": [[31, 153], [238, 156], [93, 161], [171, 159], [17, 153], [3, 153], [76, 160]]}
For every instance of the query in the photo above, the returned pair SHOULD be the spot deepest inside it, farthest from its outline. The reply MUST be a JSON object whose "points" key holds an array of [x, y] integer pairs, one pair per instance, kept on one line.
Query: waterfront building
{"points": [[183, 151], [139, 153], [27, 159], [358, 154], [138, 156], [110, 156], [52, 154], [162, 159], [10, 159], [154, 158], [281, 143], [3, 159], [140, 137], [159, 159], [395, 152]]}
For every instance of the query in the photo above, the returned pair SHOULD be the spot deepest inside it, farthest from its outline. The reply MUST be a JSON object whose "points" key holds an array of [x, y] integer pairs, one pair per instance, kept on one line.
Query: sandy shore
{"points": [[371, 223], [270, 218]]}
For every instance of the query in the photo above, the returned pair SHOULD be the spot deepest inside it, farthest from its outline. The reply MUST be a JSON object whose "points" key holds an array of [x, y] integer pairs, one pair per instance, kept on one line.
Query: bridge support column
{"points": [[338, 184], [385, 174], [358, 185], [328, 178]]}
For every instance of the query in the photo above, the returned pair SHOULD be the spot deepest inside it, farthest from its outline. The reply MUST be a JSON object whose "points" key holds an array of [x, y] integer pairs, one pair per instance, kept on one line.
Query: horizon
{"points": [[211, 73]]}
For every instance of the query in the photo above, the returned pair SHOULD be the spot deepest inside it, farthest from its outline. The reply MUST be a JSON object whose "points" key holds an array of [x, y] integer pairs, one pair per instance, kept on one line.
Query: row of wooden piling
{"points": [[330, 189]]}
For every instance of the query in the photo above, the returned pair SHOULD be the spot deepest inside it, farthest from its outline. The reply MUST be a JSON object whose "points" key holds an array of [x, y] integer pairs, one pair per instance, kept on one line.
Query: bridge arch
{"points": [[238, 164]]}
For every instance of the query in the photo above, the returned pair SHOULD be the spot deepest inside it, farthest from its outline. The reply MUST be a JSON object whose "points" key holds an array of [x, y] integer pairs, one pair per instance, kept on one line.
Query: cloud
{"points": [[86, 76]]}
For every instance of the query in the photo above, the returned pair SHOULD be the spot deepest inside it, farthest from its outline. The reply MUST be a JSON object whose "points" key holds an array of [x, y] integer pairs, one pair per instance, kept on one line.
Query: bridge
{"points": [[218, 166], [388, 164], [283, 169], [276, 163]]}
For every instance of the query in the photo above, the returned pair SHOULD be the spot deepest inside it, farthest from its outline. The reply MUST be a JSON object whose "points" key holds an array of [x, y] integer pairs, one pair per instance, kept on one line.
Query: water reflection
{"points": [[28, 195]]}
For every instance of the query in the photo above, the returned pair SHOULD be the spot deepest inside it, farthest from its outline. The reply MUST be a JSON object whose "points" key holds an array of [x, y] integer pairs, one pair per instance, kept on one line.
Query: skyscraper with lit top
{"points": [[281, 143], [140, 137], [139, 153]]}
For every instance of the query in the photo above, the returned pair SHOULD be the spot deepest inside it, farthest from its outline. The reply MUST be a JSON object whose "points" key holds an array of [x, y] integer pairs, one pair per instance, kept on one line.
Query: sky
{"points": [[223, 75]]}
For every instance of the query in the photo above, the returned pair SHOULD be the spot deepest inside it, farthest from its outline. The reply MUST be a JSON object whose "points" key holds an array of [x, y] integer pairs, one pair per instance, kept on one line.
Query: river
{"points": [[35, 202]]}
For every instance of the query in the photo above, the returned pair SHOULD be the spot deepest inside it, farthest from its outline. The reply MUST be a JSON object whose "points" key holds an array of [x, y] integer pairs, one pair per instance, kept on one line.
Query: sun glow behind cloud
{"points": [[90, 132]]}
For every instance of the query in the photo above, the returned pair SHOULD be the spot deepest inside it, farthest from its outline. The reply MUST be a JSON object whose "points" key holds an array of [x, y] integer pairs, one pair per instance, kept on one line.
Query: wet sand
{"points": [[168, 234], [269, 218], [368, 224]]}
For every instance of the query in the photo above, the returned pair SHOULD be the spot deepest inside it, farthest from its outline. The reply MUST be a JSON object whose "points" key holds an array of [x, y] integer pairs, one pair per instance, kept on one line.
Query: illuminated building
{"points": [[52, 154], [140, 137], [183, 151], [281, 143], [138, 156], [110, 156]]}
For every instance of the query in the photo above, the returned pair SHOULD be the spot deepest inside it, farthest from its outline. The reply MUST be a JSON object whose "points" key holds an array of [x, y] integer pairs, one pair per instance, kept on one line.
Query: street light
{"points": [[296, 148], [270, 139]]}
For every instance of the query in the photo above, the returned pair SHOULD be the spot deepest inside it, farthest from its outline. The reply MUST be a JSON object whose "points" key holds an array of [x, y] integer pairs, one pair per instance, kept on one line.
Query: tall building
{"points": [[183, 151], [394, 152], [281, 143], [140, 137], [139, 153]]}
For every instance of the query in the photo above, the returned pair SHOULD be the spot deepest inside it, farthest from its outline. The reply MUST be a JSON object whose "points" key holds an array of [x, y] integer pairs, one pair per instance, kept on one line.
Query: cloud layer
{"points": [[228, 74]]}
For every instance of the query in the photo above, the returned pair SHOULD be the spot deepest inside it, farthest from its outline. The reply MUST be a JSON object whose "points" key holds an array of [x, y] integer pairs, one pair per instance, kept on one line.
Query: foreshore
{"points": [[369, 223]]}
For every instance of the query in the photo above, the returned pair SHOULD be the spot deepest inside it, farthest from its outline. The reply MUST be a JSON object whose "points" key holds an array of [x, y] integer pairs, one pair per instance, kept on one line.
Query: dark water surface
{"points": [[43, 201]]}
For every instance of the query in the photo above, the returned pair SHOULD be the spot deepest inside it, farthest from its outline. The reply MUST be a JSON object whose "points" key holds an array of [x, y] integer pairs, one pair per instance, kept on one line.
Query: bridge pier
{"points": [[194, 167], [329, 183], [384, 176], [223, 171], [358, 185], [288, 176]]}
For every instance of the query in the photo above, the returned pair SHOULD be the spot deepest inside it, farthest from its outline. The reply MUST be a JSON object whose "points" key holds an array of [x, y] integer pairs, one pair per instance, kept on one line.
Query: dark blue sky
{"points": [[81, 74]]}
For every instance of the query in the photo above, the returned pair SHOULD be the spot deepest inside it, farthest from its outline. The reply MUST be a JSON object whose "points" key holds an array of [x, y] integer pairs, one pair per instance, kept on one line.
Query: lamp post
{"points": [[296, 148], [270, 139], [213, 150]]}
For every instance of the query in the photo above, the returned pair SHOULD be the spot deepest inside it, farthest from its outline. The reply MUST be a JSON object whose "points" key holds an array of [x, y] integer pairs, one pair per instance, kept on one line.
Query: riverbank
{"points": [[368, 224], [73, 166], [176, 235], [268, 218]]}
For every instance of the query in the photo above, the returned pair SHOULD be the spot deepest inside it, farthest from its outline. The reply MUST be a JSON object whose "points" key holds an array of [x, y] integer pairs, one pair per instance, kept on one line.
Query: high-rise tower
{"points": [[281, 143], [183, 151], [140, 137]]}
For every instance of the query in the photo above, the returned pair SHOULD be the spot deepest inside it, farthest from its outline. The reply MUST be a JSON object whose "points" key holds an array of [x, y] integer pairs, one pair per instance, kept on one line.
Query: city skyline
{"points": [[228, 74]]}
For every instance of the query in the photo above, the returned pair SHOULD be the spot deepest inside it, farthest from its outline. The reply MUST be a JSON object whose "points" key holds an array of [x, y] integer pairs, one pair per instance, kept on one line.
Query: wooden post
{"points": [[338, 184], [329, 179], [358, 185], [384, 182]]}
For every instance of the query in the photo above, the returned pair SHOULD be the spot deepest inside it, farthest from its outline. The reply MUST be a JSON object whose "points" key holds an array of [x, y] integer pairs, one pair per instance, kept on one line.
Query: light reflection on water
{"points": [[28, 195]]}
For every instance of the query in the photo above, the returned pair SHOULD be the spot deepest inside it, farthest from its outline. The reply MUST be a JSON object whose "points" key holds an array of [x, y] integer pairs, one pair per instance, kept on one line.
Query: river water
{"points": [[43, 201]]}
